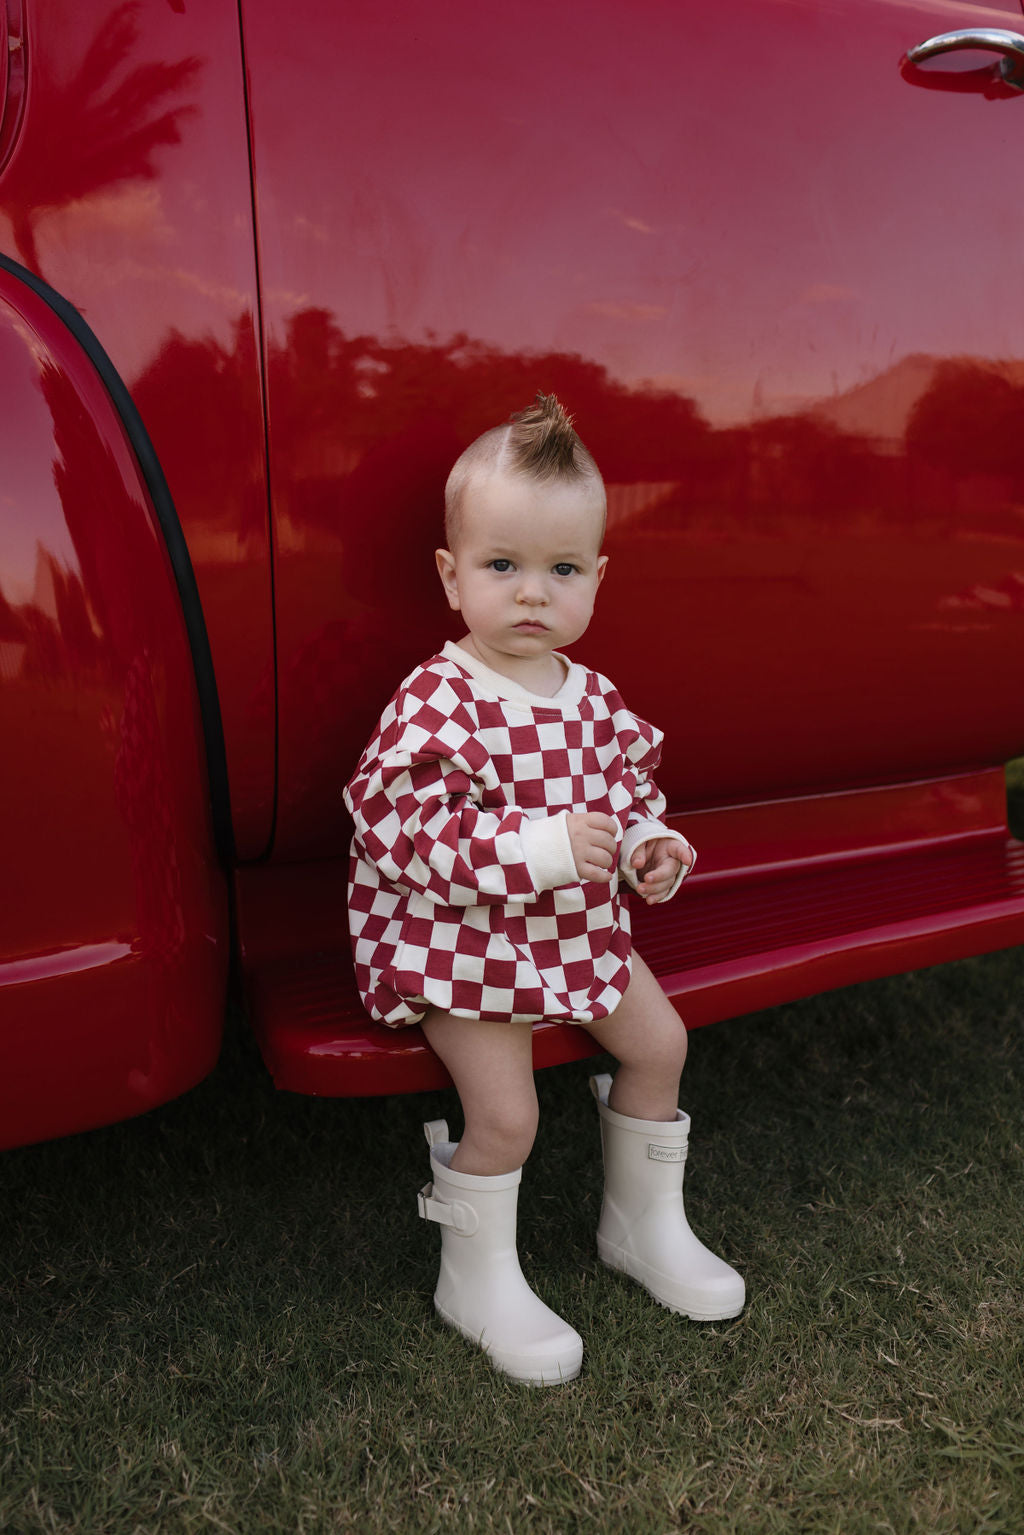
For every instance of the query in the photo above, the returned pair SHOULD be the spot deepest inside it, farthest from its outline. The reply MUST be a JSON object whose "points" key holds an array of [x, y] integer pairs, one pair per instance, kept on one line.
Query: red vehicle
{"points": [[264, 274]]}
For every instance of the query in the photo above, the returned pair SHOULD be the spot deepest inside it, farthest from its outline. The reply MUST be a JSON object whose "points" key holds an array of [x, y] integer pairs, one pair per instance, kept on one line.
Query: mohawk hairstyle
{"points": [[538, 443], [542, 443]]}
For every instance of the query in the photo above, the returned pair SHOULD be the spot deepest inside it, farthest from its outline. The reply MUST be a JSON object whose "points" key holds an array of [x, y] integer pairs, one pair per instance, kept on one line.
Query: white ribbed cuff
{"points": [[548, 851], [647, 831]]}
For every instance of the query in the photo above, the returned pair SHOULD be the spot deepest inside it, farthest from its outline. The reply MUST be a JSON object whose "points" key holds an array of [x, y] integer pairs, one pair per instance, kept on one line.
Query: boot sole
{"points": [[618, 1261], [527, 1373]]}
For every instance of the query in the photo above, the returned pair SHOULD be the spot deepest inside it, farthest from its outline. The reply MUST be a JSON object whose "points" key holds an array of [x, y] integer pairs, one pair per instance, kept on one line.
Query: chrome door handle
{"points": [[1009, 44]]}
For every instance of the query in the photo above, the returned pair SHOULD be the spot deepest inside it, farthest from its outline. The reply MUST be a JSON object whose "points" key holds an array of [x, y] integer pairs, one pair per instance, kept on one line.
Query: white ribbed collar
{"points": [[568, 695]]}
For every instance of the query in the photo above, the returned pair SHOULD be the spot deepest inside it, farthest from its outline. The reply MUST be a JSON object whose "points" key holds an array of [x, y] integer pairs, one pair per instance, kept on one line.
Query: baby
{"points": [[503, 798]]}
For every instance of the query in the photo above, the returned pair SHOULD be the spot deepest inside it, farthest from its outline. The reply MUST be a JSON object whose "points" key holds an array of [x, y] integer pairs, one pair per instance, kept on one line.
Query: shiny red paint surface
{"points": [[787, 342], [127, 189], [113, 931]]}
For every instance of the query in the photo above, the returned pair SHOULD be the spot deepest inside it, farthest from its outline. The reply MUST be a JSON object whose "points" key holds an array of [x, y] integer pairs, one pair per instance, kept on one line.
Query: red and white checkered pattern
{"points": [[443, 907]]}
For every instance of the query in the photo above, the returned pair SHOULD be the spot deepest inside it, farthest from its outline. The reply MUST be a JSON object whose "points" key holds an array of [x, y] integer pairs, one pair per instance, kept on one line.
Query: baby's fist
{"points": [[657, 864], [594, 841]]}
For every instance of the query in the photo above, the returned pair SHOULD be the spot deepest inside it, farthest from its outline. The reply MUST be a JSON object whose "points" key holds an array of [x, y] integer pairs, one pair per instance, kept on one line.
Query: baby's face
{"points": [[526, 567]]}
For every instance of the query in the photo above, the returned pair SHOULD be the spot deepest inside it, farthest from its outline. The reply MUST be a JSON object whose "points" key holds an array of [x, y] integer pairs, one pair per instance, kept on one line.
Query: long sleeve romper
{"points": [[463, 890]]}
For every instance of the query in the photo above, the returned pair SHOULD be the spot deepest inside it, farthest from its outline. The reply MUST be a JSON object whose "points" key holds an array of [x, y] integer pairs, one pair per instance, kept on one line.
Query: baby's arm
{"points": [[415, 801]]}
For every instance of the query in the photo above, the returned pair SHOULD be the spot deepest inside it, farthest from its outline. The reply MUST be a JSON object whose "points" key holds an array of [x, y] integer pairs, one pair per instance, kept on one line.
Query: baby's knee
{"points": [[661, 1046], [508, 1132]]}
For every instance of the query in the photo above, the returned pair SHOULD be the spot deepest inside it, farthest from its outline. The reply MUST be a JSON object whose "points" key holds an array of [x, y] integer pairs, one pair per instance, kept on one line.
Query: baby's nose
{"points": [[531, 590]]}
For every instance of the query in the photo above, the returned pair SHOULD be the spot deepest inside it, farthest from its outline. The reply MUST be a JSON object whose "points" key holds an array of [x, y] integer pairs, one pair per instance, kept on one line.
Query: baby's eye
{"points": [[563, 568], [500, 566]]}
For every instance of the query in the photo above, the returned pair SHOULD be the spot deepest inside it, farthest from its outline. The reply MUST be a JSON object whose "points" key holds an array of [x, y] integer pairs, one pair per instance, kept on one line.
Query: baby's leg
{"points": [[643, 1228], [473, 1196], [491, 1065], [648, 1039]]}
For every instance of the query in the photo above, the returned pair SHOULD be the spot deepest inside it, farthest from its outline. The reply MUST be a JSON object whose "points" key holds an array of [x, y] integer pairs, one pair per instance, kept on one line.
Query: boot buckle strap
{"points": [[460, 1217]]}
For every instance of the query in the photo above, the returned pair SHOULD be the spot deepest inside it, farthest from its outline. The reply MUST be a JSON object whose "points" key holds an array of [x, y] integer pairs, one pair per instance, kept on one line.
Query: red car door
{"points": [[770, 267], [772, 277]]}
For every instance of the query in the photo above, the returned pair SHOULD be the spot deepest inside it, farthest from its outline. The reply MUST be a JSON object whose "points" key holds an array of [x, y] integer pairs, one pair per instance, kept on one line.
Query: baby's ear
{"points": [[602, 566], [446, 570]]}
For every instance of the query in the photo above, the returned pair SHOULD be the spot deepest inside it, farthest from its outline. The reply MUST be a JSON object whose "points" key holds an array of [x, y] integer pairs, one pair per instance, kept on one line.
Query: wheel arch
{"points": [[114, 961]]}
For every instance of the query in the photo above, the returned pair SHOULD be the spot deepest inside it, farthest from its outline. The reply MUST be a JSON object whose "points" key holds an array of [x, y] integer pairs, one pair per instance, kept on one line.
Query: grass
{"points": [[218, 1317]]}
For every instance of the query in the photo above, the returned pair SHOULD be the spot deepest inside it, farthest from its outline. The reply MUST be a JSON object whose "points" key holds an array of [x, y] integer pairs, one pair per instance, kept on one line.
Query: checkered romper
{"points": [[463, 891]]}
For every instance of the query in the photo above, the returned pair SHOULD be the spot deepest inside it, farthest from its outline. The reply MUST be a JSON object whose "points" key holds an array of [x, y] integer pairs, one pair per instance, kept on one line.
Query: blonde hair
{"points": [[538, 443]]}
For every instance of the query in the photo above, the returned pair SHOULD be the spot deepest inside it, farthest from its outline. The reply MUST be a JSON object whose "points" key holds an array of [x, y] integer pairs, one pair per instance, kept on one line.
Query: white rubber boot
{"points": [[481, 1290], [643, 1229]]}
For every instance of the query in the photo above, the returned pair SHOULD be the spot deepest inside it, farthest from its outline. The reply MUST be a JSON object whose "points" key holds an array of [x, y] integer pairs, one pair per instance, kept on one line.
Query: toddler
{"points": [[505, 794]]}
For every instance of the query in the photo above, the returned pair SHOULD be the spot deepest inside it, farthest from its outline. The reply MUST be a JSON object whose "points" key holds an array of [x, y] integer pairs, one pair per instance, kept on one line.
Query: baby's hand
{"points": [[656, 863], [594, 845]]}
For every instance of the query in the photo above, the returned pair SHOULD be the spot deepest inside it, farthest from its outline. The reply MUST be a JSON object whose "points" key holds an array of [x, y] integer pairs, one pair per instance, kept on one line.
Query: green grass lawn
{"points": [[218, 1317]]}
